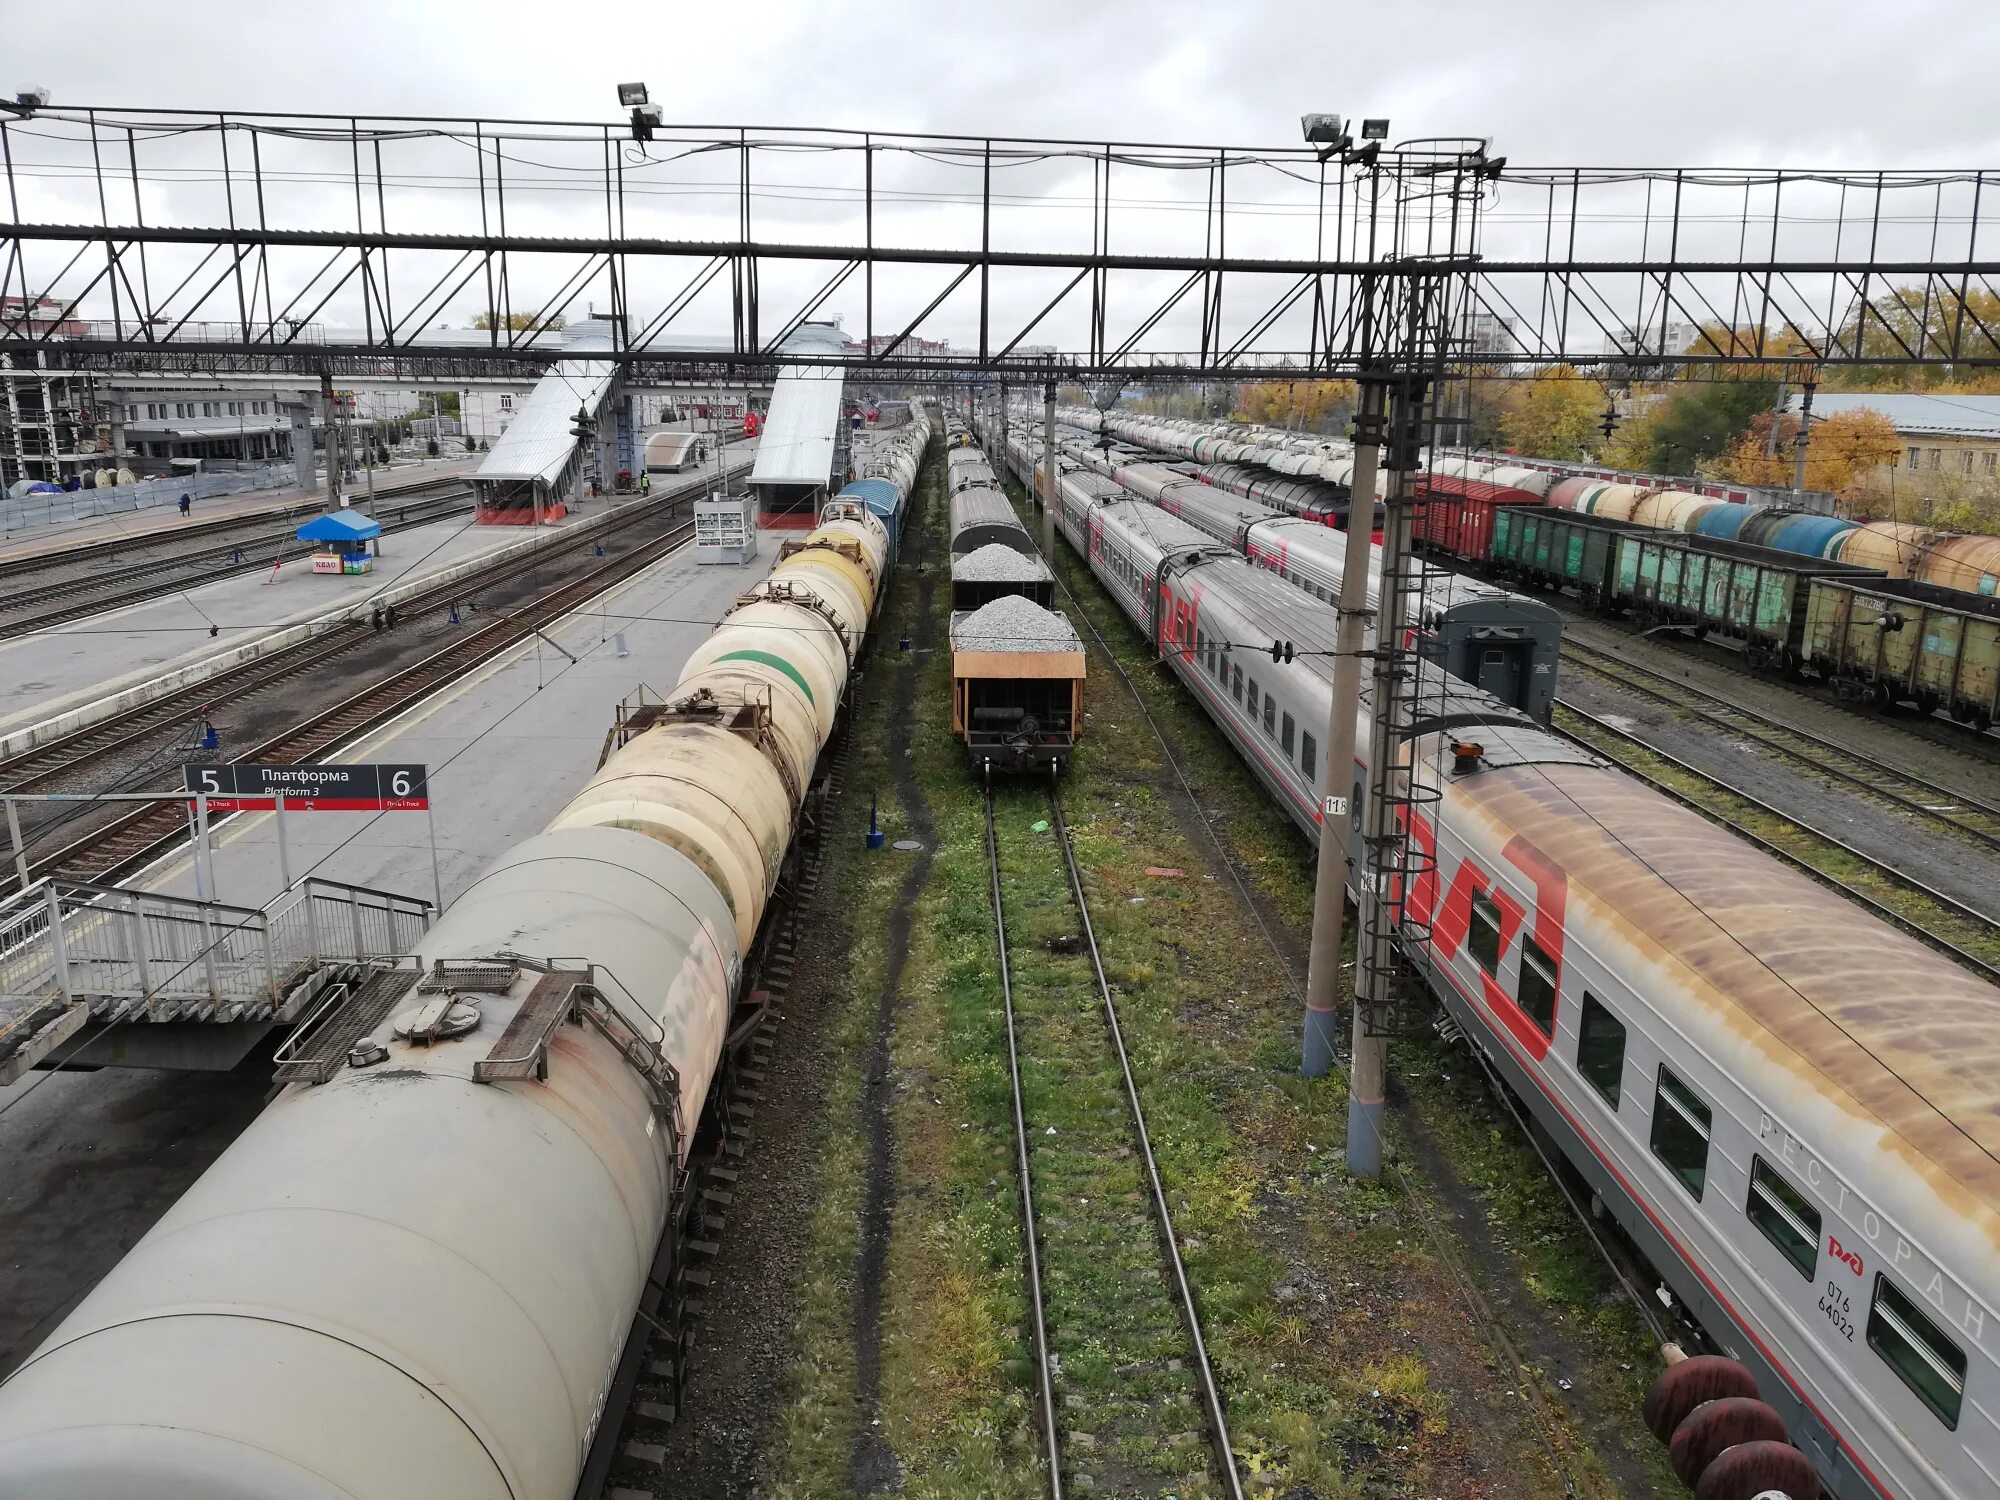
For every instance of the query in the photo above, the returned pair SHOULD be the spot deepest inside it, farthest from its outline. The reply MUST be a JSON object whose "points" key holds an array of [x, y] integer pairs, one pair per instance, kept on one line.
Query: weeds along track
{"points": [[1953, 928], [1127, 1400]]}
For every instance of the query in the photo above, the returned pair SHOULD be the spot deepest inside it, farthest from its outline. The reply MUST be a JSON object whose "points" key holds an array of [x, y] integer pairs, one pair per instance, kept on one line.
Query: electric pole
{"points": [[1330, 884], [1805, 436], [1390, 807], [1049, 497], [332, 441]]}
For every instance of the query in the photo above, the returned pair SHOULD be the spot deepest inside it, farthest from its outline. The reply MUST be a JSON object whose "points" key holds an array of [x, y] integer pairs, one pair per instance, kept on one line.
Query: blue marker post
{"points": [[876, 837]]}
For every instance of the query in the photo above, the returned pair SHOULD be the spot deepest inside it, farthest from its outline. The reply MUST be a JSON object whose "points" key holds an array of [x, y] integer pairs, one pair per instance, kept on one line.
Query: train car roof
{"points": [[1273, 610], [1443, 589], [1848, 1005]]}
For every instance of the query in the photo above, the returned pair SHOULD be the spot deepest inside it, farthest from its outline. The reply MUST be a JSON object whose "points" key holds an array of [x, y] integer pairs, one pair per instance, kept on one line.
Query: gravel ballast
{"points": [[1013, 624]]}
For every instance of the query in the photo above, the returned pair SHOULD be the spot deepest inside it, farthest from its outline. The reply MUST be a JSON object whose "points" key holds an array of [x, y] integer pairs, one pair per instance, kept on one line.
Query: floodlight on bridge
{"points": [[630, 95]]}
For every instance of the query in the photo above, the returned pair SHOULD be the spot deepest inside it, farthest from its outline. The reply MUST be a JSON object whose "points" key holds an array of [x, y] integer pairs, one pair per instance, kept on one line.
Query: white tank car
{"points": [[405, 1284], [1786, 1104]]}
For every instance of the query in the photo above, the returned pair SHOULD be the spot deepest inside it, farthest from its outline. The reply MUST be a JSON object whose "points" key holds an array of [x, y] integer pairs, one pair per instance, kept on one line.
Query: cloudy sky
{"points": [[1746, 82], [1833, 84]]}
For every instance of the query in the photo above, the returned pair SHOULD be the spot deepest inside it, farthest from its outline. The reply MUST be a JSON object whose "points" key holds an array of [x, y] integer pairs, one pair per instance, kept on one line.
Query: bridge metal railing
{"points": [[139, 954]]}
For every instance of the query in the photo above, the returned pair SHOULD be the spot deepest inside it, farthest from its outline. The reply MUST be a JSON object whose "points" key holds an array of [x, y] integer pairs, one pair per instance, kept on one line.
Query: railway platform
{"points": [[166, 636], [165, 520]]}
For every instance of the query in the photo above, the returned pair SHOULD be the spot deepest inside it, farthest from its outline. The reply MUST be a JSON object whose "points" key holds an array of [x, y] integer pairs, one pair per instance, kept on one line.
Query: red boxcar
{"points": [[1457, 514]]}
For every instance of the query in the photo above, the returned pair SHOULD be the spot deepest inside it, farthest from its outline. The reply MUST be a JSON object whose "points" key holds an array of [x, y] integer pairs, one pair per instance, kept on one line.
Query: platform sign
{"points": [[256, 788]]}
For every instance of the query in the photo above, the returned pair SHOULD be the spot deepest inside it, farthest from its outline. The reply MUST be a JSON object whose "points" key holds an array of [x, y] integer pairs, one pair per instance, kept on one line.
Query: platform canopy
{"points": [[341, 526]]}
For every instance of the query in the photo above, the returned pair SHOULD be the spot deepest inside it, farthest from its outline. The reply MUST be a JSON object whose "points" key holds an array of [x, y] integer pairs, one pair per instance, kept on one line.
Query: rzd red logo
{"points": [[1846, 1257]]}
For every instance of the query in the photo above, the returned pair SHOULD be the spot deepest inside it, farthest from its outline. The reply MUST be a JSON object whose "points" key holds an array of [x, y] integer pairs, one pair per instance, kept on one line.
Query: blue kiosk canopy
{"points": [[341, 526]]}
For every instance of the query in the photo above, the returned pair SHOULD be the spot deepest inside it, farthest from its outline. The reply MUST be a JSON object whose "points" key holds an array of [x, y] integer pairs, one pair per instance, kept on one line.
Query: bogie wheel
{"points": [[1718, 1425], [1683, 1387], [1760, 1468]]}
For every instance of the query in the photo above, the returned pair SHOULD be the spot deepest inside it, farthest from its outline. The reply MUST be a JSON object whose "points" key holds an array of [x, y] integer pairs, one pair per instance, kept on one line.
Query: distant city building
{"points": [[910, 348], [40, 319], [1490, 333], [1664, 340]]}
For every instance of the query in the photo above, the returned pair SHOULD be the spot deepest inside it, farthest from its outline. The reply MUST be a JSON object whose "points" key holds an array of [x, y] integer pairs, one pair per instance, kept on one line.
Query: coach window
{"points": [[1680, 1132], [1236, 683], [1308, 756], [1600, 1049], [1917, 1350], [1201, 644], [1251, 701], [1287, 736], [1270, 717], [1536, 992], [1781, 1211], [1484, 935]]}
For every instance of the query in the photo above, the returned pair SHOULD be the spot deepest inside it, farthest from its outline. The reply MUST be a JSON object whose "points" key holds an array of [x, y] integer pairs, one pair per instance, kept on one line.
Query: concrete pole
{"points": [[1002, 455], [1375, 951], [1805, 437], [1050, 499], [1335, 856], [332, 442]]}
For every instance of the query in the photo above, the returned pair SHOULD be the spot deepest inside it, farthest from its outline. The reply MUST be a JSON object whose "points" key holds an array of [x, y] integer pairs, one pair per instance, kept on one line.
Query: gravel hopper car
{"points": [[1017, 665]]}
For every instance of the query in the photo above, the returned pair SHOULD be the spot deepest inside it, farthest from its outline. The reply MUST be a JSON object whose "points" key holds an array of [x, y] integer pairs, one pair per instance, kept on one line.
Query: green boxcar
{"points": [[1755, 595], [1893, 640], [1558, 548]]}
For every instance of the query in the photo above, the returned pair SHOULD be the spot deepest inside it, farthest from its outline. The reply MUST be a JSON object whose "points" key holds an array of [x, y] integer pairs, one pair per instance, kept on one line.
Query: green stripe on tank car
{"points": [[767, 659]]}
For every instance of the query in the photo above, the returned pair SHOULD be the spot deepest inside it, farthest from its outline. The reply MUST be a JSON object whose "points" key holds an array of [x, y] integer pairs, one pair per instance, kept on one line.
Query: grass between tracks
{"points": [[1349, 1351]]}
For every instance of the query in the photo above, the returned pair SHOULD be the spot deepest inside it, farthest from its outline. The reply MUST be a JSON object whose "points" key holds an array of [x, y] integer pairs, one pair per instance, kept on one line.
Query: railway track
{"points": [[99, 585], [1949, 808], [133, 839], [77, 761], [1930, 916], [1124, 1388]]}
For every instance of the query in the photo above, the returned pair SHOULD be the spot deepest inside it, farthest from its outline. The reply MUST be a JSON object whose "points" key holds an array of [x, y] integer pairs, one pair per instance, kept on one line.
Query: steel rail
{"points": [[1218, 1421], [1879, 908], [1037, 1304], [136, 838], [34, 765], [159, 588], [1771, 733]]}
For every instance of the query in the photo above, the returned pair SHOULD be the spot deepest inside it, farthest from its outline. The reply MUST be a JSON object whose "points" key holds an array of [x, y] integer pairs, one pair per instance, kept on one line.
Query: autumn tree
{"points": [[521, 322], [1844, 448], [1555, 414], [1295, 403], [1685, 424]]}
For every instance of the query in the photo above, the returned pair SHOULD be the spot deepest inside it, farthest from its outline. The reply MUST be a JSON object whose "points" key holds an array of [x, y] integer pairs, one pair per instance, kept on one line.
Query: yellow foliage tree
{"points": [[519, 322], [1553, 415], [1845, 447], [1294, 403]]}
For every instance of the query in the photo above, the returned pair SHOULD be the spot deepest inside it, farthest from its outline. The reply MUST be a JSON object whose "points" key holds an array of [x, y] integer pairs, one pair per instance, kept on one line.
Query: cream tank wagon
{"points": [[416, 1281]]}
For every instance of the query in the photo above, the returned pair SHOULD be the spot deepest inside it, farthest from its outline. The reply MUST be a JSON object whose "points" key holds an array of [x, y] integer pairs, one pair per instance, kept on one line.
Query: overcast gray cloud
{"points": [[1739, 82], [1553, 83]]}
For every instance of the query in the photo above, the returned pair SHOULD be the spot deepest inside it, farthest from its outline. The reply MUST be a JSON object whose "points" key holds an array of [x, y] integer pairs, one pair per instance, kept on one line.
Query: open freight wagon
{"points": [[1894, 640]]}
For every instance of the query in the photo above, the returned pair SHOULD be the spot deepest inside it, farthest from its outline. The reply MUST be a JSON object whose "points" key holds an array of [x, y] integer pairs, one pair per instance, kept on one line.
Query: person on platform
{"points": [[645, 484], [187, 505]]}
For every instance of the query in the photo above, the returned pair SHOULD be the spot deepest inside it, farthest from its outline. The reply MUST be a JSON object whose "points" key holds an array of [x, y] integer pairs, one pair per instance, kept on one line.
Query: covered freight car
{"points": [[1894, 640]]}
